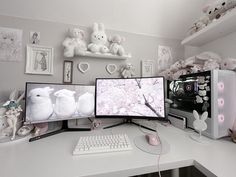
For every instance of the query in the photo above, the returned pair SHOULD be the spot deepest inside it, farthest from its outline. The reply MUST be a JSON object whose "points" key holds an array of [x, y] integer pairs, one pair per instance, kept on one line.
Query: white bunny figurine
{"points": [[98, 39], [199, 124]]}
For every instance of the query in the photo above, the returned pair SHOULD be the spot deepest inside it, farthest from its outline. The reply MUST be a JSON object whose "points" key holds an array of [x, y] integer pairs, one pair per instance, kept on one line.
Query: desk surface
{"points": [[52, 156]]}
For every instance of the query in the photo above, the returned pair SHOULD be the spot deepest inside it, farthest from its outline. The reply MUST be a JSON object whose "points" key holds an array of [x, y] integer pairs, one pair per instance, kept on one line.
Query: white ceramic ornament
{"points": [[111, 68], [83, 67]]}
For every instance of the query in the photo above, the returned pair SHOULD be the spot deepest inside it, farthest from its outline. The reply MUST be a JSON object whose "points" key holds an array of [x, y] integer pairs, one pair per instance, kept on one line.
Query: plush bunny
{"points": [[116, 47], [86, 104], [74, 44], [98, 39], [65, 105], [199, 124], [40, 107]]}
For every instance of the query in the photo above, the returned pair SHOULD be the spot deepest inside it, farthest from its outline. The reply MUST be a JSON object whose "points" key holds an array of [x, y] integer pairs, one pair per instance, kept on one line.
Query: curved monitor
{"points": [[130, 98], [46, 102]]}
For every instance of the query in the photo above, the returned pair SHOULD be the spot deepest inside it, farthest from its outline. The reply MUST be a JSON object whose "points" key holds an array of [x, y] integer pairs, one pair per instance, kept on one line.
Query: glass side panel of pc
{"points": [[55, 102], [130, 98]]}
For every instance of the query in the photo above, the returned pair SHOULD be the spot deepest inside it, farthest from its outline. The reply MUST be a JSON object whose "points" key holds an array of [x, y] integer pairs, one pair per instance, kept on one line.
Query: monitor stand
{"points": [[64, 128], [128, 121]]}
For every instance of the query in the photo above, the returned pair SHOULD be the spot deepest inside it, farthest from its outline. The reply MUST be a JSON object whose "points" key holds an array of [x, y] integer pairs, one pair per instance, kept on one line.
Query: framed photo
{"points": [[67, 71], [39, 60], [34, 37], [147, 68]]}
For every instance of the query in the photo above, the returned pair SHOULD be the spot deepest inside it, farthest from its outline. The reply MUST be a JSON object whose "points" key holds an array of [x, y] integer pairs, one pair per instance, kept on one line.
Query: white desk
{"points": [[52, 156]]}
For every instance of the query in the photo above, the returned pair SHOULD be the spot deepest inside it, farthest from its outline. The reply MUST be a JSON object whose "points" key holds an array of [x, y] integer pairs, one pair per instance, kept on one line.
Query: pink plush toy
{"points": [[228, 64]]}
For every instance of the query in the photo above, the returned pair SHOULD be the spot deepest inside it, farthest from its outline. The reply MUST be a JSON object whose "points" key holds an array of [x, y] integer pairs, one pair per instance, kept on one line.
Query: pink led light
{"points": [[221, 118], [221, 102], [221, 86]]}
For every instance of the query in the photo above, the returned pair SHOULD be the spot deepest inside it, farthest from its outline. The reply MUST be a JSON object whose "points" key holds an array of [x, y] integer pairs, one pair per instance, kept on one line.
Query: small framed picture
{"points": [[34, 37], [147, 68], [39, 60], [67, 71]]}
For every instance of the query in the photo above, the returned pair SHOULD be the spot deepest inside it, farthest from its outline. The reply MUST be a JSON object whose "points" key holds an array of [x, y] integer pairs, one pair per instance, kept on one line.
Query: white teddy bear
{"points": [[116, 47], [40, 107], [74, 44], [65, 105], [98, 39], [127, 71]]}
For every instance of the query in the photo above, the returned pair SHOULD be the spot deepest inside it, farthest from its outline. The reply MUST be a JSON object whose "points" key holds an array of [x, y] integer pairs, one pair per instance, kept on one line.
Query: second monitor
{"points": [[130, 98]]}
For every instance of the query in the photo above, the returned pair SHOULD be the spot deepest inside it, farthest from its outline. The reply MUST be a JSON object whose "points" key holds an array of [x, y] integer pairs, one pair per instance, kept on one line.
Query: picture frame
{"points": [[147, 68], [39, 60], [67, 71]]}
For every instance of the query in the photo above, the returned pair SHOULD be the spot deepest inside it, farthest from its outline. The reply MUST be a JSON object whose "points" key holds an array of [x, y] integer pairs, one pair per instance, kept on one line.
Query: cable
{"points": [[159, 155]]}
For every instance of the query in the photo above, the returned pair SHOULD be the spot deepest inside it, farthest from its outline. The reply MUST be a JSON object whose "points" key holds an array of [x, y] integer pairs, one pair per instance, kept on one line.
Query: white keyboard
{"points": [[102, 144]]}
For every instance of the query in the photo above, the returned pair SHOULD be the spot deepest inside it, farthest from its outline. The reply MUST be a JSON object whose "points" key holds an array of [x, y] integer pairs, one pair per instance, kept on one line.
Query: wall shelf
{"points": [[106, 56], [219, 28]]}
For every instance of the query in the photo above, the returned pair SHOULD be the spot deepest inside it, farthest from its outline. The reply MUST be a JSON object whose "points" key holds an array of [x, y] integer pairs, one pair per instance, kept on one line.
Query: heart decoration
{"points": [[111, 68], [83, 67]]}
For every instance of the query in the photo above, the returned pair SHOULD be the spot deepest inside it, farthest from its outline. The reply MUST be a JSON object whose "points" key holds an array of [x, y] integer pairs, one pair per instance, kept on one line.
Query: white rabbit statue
{"points": [[199, 124]]}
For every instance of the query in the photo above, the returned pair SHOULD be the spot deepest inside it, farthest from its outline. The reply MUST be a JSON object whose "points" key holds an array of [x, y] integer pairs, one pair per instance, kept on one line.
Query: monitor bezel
{"points": [[130, 116], [37, 122]]}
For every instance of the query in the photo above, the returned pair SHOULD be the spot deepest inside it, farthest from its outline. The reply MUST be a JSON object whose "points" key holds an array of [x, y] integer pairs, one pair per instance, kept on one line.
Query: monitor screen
{"points": [[54, 102], [132, 97]]}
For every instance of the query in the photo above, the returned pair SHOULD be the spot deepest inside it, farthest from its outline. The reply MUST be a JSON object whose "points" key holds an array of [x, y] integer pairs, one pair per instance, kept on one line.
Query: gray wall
{"points": [[12, 74]]}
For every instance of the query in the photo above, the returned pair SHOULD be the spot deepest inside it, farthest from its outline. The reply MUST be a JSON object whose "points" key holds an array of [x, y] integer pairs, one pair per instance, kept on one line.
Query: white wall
{"points": [[160, 18], [12, 75]]}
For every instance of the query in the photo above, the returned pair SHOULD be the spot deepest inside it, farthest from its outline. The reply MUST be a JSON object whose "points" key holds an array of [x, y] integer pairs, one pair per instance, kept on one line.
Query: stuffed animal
{"points": [[98, 39], [210, 65], [176, 66], [116, 47], [180, 72], [127, 71], [40, 107], [86, 104], [74, 44], [199, 24], [65, 105], [218, 8], [167, 74], [228, 64]]}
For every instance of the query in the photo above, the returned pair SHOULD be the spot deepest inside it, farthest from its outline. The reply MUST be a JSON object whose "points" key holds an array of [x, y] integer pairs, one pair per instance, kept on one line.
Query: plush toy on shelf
{"points": [[127, 71], [218, 8], [228, 64], [74, 44], [116, 47], [98, 39]]}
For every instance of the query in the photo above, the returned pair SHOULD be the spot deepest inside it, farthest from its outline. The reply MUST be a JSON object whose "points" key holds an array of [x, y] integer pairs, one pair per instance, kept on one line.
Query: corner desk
{"points": [[52, 156]]}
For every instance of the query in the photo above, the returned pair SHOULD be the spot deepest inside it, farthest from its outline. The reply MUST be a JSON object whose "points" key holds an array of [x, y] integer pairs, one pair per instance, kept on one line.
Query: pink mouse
{"points": [[152, 139]]}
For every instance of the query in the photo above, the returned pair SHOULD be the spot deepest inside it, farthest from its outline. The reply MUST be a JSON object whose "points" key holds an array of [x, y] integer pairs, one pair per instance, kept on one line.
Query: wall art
{"points": [[39, 60], [67, 71], [10, 44], [83, 67], [164, 58], [147, 68], [34, 37], [111, 68]]}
